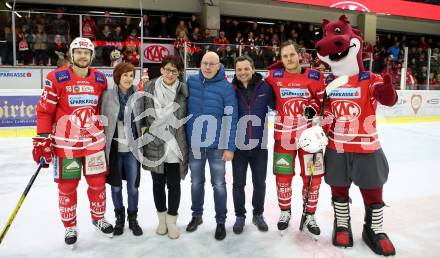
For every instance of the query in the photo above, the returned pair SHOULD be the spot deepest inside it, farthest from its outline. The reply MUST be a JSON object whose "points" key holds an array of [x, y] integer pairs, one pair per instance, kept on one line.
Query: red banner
{"points": [[393, 7]]}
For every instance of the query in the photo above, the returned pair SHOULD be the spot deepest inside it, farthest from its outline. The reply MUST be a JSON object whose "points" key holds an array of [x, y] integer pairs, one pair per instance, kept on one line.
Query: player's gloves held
{"points": [[313, 139], [42, 150], [309, 112]]}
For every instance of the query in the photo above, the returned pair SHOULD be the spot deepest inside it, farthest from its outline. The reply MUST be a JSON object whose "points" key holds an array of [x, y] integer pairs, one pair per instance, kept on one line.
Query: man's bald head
{"points": [[210, 65]]}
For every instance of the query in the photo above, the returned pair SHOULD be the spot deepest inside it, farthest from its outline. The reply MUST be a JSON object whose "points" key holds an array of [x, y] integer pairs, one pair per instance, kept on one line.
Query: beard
{"points": [[81, 66]]}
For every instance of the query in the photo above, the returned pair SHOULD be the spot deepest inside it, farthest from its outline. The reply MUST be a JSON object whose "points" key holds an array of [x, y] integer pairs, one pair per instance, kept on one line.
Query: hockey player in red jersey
{"points": [[71, 136], [354, 153], [298, 92]]}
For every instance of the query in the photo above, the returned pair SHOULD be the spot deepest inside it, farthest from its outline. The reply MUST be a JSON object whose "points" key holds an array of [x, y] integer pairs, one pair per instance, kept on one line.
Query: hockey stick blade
{"points": [[336, 83]]}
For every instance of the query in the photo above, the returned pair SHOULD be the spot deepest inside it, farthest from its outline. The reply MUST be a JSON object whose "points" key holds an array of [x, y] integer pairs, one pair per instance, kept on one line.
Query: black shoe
{"points": [[70, 236], [120, 221], [193, 224], [103, 226], [238, 225], [220, 232], [258, 221], [133, 223]]}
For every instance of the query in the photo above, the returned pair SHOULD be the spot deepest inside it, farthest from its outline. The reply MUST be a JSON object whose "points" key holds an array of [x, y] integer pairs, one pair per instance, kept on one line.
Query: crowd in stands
{"points": [[43, 39]]}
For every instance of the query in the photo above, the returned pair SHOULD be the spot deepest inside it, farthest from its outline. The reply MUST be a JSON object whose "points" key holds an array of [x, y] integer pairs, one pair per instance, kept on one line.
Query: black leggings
{"points": [[171, 178]]}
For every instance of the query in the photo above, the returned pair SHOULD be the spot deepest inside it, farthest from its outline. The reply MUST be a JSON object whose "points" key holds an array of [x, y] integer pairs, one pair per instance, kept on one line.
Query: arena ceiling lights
{"points": [[407, 8]]}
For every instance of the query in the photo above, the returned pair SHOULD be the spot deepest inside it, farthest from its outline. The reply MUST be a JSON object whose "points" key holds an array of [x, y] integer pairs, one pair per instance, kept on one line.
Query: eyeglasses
{"points": [[171, 71], [207, 64]]}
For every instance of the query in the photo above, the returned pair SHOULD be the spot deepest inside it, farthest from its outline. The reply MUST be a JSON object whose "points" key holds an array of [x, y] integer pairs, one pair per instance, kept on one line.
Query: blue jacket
{"points": [[261, 97], [206, 103]]}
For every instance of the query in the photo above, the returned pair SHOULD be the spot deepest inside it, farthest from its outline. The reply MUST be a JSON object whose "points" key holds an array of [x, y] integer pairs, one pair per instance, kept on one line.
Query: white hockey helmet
{"points": [[82, 43]]}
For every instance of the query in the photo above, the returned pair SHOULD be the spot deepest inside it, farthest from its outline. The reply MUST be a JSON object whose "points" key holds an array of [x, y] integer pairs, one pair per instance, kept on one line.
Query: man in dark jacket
{"points": [[254, 96], [212, 105]]}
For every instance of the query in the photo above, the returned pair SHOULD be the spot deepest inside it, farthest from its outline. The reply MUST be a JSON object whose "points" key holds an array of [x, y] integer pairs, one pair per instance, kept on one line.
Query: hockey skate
{"points": [[283, 222], [70, 237], [310, 227], [104, 227]]}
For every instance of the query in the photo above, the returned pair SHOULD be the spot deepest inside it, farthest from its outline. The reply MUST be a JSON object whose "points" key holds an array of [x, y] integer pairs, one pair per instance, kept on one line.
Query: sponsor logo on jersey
{"points": [[62, 76], [283, 163], [80, 88], [99, 77], [314, 75], [278, 73], [346, 93], [294, 107], [48, 83], [82, 100], [345, 110], [363, 76], [294, 93], [83, 118], [329, 78], [279, 84]]}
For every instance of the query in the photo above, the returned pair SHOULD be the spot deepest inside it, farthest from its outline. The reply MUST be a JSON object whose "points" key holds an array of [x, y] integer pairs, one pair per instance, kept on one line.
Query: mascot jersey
{"points": [[293, 93], [353, 107], [69, 110]]}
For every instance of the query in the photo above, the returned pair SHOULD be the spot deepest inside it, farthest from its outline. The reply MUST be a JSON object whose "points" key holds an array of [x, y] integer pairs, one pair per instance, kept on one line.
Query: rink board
{"points": [[17, 110]]}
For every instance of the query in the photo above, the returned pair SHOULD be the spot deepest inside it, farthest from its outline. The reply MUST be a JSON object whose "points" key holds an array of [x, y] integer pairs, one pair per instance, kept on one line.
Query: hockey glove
{"points": [[42, 150], [309, 112]]}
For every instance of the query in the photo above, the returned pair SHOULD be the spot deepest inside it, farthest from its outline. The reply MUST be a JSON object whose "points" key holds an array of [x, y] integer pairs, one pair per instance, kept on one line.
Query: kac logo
{"points": [[156, 53], [345, 110], [294, 107], [83, 118]]}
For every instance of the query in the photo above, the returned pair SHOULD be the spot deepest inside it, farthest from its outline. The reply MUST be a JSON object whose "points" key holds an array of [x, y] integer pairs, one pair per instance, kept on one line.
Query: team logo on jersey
{"points": [[279, 73], [364, 76], [83, 118], [99, 77], [346, 93], [294, 93], [294, 107], [345, 110], [314, 75], [62, 76], [82, 100]]}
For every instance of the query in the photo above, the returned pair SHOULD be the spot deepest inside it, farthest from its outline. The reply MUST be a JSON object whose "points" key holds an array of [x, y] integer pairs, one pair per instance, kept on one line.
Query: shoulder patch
{"points": [[48, 83], [99, 77], [364, 76], [62, 76], [329, 78], [314, 75], [278, 73]]}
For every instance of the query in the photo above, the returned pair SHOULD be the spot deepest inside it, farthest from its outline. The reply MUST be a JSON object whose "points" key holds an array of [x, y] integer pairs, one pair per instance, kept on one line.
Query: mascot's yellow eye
{"points": [[338, 31]]}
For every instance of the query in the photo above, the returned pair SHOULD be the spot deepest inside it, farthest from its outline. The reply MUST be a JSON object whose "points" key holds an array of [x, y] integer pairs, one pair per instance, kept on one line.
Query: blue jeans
{"points": [[128, 165], [217, 170], [257, 159]]}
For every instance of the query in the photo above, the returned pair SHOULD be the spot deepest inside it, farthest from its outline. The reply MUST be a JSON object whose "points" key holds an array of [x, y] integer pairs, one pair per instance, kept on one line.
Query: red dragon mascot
{"points": [[354, 154]]}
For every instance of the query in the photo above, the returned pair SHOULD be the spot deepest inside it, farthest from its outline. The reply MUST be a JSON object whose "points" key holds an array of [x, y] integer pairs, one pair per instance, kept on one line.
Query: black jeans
{"points": [[257, 159], [171, 178]]}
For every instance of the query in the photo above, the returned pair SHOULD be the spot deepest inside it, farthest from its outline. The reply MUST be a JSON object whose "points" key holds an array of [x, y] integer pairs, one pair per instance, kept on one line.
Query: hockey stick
{"points": [[336, 83], [20, 202]]}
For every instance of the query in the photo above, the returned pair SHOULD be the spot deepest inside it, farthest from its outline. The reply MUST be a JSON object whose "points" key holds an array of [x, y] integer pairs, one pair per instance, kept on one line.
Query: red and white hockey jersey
{"points": [[353, 107], [69, 110], [293, 93]]}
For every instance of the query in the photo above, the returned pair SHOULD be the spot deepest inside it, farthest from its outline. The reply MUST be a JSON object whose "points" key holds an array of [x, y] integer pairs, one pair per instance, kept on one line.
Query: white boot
{"points": [[162, 227], [173, 230]]}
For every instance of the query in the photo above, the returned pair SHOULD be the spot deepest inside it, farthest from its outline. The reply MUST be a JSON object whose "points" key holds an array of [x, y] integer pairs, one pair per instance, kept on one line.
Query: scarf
{"points": [[165, 95], [123, 99]]}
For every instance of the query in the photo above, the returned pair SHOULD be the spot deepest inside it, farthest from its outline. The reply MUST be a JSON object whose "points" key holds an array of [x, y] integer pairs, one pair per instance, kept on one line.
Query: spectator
{"points": [[422, 43], [207, 41], [394, 51], [261, 40], [40, 46], [60, 26], [57, 49], [228, 28], [250, 42], [23, 49], [180, 42], [163, 30], [146, 25], [88, 27], [118, 37], [105, 20], [221, 42], [193, 23], [282, 33], [6, 50], [106, 38], [181, 27], [195, 35]]}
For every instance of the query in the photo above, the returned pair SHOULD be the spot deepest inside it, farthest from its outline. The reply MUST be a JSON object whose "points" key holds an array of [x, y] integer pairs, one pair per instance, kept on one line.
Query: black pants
{"points": [[171, 178]]}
